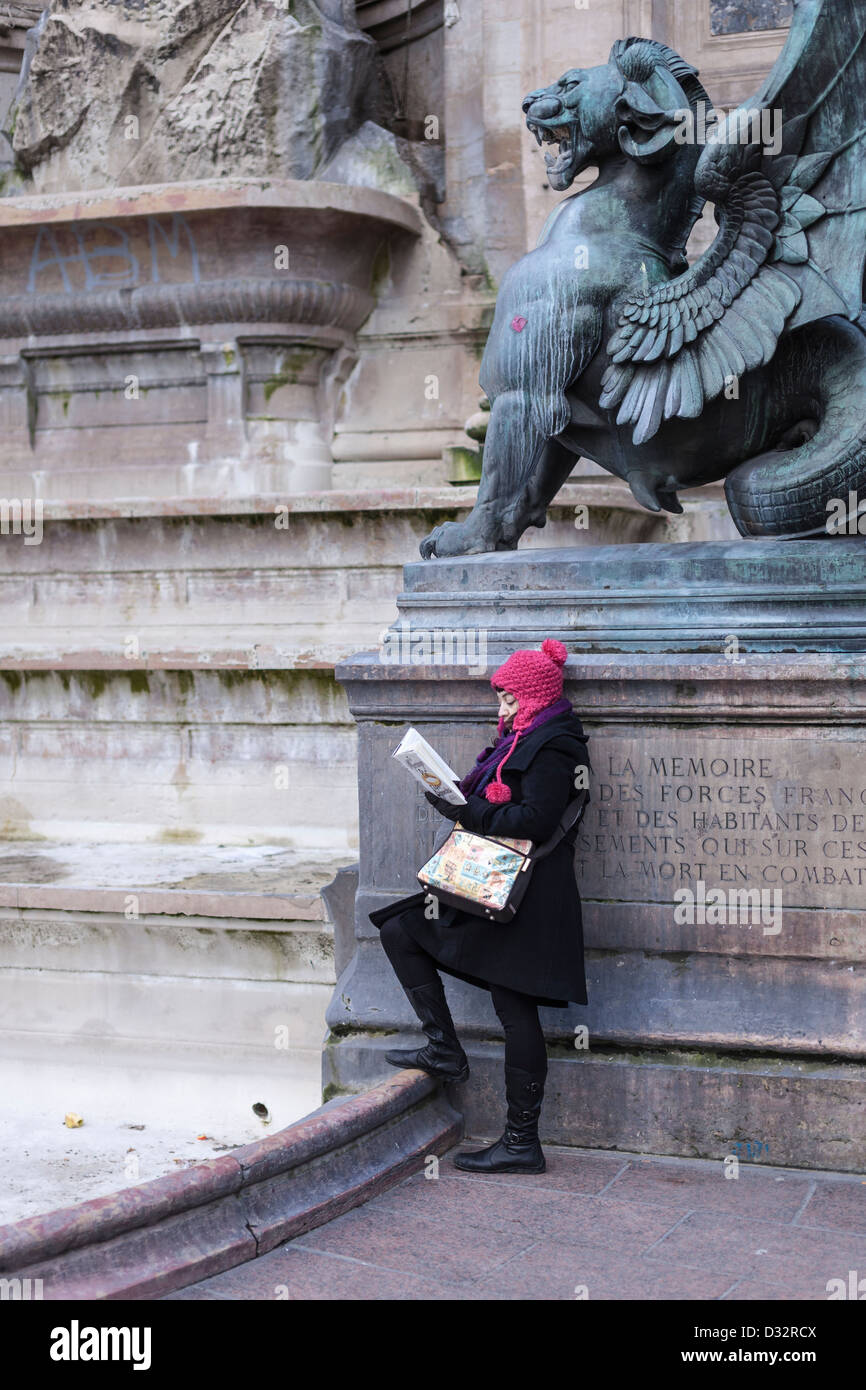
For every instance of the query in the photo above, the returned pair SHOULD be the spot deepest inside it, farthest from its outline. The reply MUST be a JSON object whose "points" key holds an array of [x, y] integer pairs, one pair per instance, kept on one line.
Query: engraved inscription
{"points": [[789, 815]]}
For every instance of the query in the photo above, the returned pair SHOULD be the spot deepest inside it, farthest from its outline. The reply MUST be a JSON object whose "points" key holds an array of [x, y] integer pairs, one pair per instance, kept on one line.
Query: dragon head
{"points": [[633, 104]]}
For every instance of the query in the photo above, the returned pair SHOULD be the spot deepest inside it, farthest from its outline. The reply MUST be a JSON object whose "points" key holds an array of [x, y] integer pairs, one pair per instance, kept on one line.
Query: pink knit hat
{"points": [[535, 679]]}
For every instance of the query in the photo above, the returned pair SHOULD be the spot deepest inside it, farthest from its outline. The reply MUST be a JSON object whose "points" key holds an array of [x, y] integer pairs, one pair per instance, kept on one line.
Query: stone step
{"points": [[273, 583], [166, 669], [213, 952], [147, 1240], [707, 1103], [151, 757]]}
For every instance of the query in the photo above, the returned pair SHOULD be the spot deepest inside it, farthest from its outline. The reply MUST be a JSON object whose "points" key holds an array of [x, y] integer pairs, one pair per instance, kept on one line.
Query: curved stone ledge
{"points": [[149, 1240], [327, 304], [197, 253], [209, 195]]}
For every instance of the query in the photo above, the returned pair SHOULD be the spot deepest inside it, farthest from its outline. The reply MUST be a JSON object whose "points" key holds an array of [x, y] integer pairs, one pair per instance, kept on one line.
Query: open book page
{"points": [[425, 764]]}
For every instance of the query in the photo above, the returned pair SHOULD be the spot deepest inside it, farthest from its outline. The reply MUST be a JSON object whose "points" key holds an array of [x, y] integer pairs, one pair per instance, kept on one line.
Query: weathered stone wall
{"points": [[737, 17]]}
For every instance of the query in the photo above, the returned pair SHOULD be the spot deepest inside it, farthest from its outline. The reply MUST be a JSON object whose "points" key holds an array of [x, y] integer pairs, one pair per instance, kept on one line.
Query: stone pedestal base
{"points": [[692, 1103], [722, 862]]}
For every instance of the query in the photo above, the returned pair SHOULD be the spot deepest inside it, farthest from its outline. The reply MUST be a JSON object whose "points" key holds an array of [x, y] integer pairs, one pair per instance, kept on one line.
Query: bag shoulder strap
{"points": [[571, 816]]}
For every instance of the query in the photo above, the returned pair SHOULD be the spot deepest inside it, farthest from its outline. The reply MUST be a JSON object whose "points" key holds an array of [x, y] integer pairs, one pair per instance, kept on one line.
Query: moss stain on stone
{"points": [[731, 1059], [292, 365], [342, 1030], [485, 323], [381, 268], [185, 681], [94, 682], [331, 1091], [232, 679]]}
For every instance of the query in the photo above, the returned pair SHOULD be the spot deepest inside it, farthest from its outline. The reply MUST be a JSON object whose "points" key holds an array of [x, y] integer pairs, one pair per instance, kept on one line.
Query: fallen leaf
{"points": [[73, 1121]]}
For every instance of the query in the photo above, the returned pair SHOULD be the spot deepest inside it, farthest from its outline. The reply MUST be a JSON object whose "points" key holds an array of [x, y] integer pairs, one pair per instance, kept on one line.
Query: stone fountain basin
{"points": [[150, 333]]}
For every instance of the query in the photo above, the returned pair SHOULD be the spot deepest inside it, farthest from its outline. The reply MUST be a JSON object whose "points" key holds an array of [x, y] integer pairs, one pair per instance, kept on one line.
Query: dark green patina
{"points": [[750, 364]]}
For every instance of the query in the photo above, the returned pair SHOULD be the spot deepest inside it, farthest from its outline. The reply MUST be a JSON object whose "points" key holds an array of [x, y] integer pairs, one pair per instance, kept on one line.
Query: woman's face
{"points": [[508, 706]]}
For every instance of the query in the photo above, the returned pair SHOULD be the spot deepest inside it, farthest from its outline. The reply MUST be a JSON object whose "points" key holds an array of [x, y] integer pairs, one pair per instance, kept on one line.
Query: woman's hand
{"points": [[445, 808]]}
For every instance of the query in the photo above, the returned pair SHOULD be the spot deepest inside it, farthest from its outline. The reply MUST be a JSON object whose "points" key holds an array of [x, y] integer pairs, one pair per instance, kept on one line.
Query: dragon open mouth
{"points": [[573, 151]]}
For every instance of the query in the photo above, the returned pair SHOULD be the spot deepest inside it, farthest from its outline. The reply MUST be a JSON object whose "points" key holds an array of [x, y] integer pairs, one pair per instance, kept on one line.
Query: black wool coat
{"points": [[540, 951]]}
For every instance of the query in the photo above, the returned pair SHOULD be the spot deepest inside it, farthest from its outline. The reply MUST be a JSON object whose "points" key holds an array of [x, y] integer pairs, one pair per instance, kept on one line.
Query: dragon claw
{"points": [[656, 496], [460, 538]]}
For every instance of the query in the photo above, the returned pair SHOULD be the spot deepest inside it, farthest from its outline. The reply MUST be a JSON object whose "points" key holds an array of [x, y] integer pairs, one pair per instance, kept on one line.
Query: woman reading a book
{"points": [[518, 789]]}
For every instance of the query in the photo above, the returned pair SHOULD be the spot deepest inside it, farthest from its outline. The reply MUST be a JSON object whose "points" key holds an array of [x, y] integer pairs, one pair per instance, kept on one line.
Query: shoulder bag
{"points": [[488, 875]]}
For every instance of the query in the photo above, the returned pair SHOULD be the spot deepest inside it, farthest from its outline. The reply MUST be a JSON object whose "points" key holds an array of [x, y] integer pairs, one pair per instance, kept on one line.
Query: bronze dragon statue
{"points": [[748, 365]]}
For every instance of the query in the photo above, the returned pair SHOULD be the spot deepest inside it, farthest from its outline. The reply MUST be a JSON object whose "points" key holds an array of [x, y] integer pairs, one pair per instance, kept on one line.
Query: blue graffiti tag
{"points": [[757, 1144], [93, 245]]}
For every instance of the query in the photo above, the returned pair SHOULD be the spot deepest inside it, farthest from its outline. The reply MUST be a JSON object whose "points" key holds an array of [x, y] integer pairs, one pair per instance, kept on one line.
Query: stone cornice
{"points": [[209, 195]]}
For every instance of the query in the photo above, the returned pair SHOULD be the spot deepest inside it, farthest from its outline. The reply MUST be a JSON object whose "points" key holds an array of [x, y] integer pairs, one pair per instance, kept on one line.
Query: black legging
{"points": [[518, 1013]]}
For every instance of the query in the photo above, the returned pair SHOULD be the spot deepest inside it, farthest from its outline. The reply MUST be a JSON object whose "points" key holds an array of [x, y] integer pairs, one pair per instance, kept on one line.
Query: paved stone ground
{"points": [[597, 1224]]}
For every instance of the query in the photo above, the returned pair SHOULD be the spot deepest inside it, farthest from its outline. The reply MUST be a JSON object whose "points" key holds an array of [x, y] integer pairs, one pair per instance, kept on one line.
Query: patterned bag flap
{"points": [[475, 867]]}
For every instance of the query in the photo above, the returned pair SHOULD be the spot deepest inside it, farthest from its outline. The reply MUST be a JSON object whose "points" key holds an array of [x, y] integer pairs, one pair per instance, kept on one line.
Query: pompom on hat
{"points": [[535, 680]]}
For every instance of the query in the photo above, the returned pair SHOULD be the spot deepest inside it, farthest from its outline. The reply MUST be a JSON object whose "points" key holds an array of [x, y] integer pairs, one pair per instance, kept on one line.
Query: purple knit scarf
{"points": [[489, 759]]}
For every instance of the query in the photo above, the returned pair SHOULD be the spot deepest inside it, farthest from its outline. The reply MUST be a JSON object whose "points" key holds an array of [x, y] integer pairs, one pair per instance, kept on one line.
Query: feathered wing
{"points": [[674, 348], [791, 245]]}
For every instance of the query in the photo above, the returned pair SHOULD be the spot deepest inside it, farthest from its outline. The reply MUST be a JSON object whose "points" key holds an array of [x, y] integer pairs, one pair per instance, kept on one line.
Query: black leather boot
{"points": [[443, 1055], [518, 1149]]}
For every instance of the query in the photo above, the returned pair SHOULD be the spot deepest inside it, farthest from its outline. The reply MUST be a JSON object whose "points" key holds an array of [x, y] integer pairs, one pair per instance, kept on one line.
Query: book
{"points": [[425, 764]]}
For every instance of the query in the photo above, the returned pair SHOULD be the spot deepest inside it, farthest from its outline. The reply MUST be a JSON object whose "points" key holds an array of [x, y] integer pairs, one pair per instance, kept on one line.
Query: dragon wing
{"points": [[791, 244]]}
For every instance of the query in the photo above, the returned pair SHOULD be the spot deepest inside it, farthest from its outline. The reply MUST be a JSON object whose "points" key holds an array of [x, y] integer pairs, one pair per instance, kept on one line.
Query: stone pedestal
{"points": [[724, 690]]}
